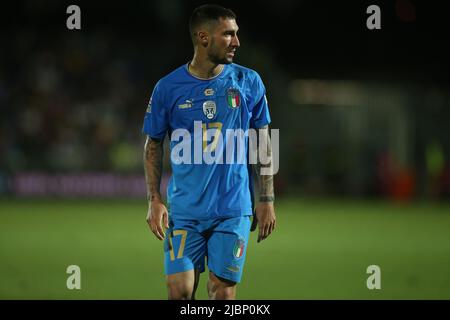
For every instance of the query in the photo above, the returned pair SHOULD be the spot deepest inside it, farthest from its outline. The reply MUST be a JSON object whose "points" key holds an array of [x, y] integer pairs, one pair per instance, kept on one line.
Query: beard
{"points": [[219, 58]]}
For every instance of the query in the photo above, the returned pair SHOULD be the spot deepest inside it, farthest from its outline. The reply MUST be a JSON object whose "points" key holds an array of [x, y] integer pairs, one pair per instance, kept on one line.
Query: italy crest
{"points": [[238, 250], [233, 98]]}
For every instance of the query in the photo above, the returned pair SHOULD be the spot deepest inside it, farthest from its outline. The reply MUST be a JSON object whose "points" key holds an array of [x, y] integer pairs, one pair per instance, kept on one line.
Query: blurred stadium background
{"points": [[364, 147]]}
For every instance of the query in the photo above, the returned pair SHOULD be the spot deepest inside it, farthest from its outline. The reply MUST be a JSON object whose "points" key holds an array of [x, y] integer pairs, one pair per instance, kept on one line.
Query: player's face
{"points": [[224, 42]]}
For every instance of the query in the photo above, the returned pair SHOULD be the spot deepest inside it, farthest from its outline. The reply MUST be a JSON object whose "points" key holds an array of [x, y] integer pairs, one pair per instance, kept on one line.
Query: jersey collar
{"points": [[204, 79]]}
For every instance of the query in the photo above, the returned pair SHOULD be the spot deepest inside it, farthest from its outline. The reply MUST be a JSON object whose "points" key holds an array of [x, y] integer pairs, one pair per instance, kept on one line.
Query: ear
{"points": [[203, 38]]}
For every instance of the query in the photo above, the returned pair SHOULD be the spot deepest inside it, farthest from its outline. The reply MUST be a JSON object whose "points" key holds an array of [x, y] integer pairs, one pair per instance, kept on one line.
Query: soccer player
{"points": [[210, 204]]}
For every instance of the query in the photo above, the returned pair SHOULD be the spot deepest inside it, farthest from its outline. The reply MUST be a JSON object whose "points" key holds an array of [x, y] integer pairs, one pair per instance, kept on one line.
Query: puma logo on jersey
{"points": [[234, 268], [186, 105]]}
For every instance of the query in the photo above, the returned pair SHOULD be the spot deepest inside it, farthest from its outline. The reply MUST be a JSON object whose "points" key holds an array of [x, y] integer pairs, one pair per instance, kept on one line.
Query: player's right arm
{"points": [[157, 215]]}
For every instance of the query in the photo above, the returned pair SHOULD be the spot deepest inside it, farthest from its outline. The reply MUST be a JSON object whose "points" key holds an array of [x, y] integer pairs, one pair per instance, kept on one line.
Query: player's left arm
{"points": [[265, 211]]}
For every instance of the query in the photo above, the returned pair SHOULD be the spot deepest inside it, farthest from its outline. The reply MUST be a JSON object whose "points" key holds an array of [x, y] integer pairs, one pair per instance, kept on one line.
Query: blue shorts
{"points": [[222, 241]]}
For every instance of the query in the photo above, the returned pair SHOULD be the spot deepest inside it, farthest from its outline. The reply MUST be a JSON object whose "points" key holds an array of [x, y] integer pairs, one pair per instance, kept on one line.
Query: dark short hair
{"points": [[207, 13]]}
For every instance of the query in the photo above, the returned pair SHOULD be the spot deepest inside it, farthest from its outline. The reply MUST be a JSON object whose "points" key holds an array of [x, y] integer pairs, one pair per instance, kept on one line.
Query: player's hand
{"points": [[157, 217], [265, 218]]}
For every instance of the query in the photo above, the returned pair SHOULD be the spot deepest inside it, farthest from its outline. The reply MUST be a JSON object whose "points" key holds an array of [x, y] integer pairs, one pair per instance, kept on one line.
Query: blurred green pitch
{"points": [[320, 250]]}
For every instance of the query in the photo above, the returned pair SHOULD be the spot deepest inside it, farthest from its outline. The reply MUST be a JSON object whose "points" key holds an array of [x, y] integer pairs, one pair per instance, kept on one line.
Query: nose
{"points": [[235, 42]]}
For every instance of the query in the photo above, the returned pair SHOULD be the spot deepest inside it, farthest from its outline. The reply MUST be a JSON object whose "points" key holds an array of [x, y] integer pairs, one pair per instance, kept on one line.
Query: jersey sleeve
{"points": [[156, 120], [260, 108]]}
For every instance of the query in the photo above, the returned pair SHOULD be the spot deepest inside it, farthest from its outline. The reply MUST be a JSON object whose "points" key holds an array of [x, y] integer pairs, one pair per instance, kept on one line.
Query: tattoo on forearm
{"points": [[153, 157], [266, 189]]}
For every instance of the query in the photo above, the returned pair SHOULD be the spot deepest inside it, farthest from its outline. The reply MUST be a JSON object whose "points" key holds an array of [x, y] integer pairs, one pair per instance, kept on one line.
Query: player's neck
{"points": [[203, 68]]}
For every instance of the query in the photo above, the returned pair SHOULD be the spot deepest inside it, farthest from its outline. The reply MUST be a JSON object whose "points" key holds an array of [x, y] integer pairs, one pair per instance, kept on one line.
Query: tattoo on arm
{"points": [[266, 189], [153, 158]]}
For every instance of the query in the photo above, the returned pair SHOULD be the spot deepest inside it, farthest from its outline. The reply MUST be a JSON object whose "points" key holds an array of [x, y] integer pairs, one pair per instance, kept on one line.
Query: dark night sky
{"points": [[324, 38]]}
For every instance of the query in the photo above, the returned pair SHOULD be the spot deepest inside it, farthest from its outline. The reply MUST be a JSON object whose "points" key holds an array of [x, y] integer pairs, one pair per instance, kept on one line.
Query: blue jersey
{"points": [[191, 109]]}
